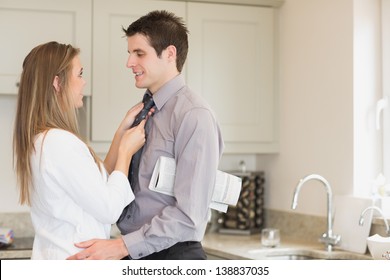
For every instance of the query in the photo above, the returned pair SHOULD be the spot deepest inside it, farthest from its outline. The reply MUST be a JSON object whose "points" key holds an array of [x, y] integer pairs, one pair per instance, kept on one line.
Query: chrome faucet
{"points": [[361, 220], [328, 238]]}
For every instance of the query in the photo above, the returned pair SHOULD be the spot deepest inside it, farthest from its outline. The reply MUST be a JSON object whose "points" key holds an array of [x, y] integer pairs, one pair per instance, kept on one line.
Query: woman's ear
{"points": [[56, 84]]}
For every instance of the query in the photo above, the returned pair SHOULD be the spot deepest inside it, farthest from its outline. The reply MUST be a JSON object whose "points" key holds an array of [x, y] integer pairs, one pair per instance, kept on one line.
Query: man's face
{"points": [[150, 71]]}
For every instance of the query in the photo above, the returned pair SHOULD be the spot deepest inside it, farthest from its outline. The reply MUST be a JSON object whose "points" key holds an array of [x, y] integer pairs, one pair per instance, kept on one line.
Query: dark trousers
{"points": [[188, 250]]}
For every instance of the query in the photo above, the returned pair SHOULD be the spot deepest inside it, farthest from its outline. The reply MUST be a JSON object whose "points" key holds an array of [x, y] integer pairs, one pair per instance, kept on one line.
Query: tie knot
{"points": [[148, 101], [148, 104]]}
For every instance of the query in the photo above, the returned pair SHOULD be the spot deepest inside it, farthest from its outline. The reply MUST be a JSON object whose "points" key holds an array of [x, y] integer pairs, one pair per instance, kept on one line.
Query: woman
{"points": [[73, 195]]}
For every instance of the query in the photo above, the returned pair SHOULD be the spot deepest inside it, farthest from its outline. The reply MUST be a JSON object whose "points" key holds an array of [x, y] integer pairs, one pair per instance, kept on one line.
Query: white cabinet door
{"points": [[27, 23], [114, 92], [231, 63]]}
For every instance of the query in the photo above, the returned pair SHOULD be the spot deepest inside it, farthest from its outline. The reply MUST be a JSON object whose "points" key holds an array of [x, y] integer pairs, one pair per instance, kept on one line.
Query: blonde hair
{"points": [[40, 107]]}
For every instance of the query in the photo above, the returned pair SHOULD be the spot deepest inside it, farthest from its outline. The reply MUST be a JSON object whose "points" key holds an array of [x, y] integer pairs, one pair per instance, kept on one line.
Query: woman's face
{"points": [[77, 82]]}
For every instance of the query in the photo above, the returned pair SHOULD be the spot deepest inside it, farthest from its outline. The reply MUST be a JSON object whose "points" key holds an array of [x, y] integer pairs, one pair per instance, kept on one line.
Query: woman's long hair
{"points": [[40, 107]]}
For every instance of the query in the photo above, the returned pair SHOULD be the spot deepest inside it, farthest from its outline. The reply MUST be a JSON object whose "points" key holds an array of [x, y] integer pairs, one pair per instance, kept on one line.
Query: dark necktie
{"points": [[135, 160], [148, 104], [134, 164]]}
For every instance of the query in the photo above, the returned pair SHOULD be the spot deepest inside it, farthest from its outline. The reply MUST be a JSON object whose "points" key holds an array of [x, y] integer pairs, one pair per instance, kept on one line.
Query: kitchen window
{"points": [[383, 106]]}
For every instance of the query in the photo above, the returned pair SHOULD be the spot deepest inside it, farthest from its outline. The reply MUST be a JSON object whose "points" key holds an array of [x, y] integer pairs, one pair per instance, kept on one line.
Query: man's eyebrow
{"points": [[134, 51]]}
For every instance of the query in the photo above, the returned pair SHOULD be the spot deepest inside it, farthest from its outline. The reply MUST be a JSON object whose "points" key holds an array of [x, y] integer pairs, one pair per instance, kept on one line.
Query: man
{"points": [[183, 127]]}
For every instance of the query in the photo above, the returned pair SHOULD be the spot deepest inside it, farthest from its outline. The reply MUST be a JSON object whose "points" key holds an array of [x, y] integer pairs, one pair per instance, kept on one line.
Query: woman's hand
{"points": [[133, 139], [130, 116], [130, 142]]}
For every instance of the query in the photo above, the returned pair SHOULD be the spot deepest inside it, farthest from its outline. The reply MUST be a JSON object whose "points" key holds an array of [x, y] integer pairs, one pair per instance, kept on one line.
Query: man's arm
{"points": [[101, 249]]}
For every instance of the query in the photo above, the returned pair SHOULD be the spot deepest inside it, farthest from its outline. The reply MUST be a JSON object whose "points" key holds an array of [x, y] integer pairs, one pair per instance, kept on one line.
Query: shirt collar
{"points": [[168, 90]]}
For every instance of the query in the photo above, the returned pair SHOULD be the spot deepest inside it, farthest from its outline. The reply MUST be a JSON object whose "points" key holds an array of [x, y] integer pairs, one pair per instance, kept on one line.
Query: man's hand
{"points": [[101, 249]]}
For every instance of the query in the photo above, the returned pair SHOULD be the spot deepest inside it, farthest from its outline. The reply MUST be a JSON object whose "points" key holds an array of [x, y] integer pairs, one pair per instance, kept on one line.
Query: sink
{"points": [[289, 253], [290, 257]]}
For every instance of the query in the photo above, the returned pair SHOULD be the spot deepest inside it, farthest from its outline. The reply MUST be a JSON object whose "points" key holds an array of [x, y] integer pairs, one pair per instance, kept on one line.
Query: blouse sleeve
{"points": [[69, 165]]}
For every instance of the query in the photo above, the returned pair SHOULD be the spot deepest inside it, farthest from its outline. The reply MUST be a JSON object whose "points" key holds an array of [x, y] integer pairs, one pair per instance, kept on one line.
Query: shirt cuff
{"points": [[136, 245]]}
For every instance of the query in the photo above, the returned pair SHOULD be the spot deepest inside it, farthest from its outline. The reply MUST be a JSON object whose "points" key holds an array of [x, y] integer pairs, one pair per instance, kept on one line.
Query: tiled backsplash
{"points": [[20, 223], [308, 227], [296, 226]]}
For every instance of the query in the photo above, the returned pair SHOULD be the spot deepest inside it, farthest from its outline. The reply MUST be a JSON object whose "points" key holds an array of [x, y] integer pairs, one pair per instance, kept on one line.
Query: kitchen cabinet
{"points": [[114, 92], [25, 24], [231, 63]]}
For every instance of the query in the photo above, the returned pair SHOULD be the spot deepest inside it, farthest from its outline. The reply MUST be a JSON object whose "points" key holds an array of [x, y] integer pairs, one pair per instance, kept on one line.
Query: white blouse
{"points": [[72, 200]]}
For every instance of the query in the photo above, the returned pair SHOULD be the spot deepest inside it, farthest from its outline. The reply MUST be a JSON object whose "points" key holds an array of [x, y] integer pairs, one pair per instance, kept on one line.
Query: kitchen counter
{"points": [[19, 249], [248, 247], [226, 246]]}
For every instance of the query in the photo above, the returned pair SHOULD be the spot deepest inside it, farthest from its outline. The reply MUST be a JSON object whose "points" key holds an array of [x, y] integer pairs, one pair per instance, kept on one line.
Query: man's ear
{"points": [[171, 52], [56, 84]]}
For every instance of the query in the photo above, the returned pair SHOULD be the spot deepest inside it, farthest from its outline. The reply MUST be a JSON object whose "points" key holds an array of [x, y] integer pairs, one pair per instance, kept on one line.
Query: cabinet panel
{"points": [[231, 63], [27, 23], [114, 92]]}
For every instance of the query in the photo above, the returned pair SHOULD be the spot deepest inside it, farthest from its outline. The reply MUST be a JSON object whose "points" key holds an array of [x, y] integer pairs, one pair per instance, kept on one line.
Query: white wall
{"points": [[327, 76]]}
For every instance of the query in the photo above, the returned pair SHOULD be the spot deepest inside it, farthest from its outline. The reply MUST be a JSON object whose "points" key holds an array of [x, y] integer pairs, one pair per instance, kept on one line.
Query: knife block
{"points": [[247, 216]]}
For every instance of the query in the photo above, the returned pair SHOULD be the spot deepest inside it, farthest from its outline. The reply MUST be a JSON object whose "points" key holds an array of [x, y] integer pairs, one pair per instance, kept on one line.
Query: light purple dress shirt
{"points": [[185, 128]]}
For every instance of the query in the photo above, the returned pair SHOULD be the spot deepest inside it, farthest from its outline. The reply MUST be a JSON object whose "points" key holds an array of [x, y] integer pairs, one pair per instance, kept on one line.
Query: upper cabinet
{"points": [[26, 24], [231, 63], [114, 92], [230, 60]]}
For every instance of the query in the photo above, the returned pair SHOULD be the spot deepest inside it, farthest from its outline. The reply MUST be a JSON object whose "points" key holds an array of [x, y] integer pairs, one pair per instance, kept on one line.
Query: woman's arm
{"points": [[71, 178], [112, 155]]}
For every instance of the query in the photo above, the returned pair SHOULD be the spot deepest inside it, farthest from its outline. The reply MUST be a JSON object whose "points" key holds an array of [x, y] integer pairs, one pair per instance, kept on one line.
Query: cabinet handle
{"points": [[380, 106]]}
